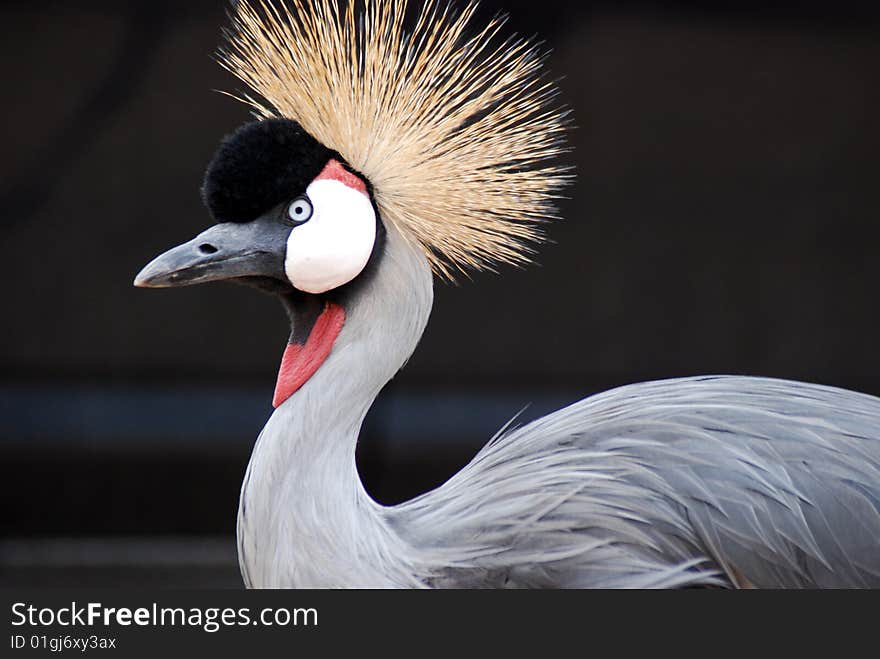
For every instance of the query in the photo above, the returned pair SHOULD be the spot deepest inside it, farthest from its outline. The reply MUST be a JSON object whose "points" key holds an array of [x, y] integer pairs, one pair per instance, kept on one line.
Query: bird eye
{"points": [[300, 210]]}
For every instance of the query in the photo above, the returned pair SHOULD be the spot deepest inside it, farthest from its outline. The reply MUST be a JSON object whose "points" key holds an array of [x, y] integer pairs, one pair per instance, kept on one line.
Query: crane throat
{"points": [[303, 357]]}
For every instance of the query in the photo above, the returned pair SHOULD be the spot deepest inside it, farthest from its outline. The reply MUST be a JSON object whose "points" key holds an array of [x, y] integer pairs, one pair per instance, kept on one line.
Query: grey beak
{"points": [[224, 251]]}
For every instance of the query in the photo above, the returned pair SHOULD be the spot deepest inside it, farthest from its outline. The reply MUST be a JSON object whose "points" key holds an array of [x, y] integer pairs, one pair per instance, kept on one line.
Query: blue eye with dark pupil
{"points": [[299, 210]]}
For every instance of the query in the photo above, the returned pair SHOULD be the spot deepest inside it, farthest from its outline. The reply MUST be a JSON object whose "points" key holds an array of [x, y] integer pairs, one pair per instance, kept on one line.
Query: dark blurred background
{"points": [[725, 220]]}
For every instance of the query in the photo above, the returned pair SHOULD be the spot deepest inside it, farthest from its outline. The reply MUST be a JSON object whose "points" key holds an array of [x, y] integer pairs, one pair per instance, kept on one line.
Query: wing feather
{"points": [[693, 481]]}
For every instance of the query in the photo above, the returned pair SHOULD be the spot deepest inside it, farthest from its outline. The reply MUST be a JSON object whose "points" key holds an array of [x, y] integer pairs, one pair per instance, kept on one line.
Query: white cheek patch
{"points": [[333, 247]]}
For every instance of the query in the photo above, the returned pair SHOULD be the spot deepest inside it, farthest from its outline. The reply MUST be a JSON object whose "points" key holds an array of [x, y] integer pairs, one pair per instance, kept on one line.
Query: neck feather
{"points": [[304, 516]]}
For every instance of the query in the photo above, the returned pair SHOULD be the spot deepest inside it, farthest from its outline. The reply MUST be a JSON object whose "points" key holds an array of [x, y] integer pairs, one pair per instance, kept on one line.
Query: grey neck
{"points": [[304, 518]]}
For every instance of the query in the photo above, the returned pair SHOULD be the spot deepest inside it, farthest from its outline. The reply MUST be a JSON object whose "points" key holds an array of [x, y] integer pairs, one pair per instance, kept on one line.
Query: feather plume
{"points": [[455, 128]]}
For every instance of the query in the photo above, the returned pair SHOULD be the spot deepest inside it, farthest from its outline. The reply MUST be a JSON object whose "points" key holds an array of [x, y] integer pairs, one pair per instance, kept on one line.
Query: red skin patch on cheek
{"points": [[300, 362], [334, 171]]}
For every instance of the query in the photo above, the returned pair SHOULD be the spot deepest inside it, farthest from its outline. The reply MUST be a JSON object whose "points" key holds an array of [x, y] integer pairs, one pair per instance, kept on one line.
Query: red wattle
{"points": [[300, 362]]}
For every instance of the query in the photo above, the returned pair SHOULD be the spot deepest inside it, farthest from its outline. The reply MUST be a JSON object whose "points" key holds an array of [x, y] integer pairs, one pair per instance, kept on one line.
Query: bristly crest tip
{"points": [[456, 128]]}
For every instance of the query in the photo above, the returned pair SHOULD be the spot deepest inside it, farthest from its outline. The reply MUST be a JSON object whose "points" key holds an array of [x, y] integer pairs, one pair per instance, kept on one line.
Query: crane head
{"points": [[372, 127]]}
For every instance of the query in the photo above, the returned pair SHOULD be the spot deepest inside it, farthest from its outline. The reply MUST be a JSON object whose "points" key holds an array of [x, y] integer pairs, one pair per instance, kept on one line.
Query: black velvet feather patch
{"points": [[259, 166]]}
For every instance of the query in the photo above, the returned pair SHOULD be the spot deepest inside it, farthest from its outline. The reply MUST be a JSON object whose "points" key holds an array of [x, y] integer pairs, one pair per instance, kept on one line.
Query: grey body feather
{"points": [[691, 481], [715, 481]]}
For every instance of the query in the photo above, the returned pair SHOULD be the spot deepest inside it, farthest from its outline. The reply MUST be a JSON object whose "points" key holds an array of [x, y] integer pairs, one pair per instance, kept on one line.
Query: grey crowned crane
{"points": [[382, 156]]}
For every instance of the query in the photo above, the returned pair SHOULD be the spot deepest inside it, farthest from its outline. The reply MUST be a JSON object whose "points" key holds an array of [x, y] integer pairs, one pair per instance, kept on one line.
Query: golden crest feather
{"points": [[454, 132]]}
